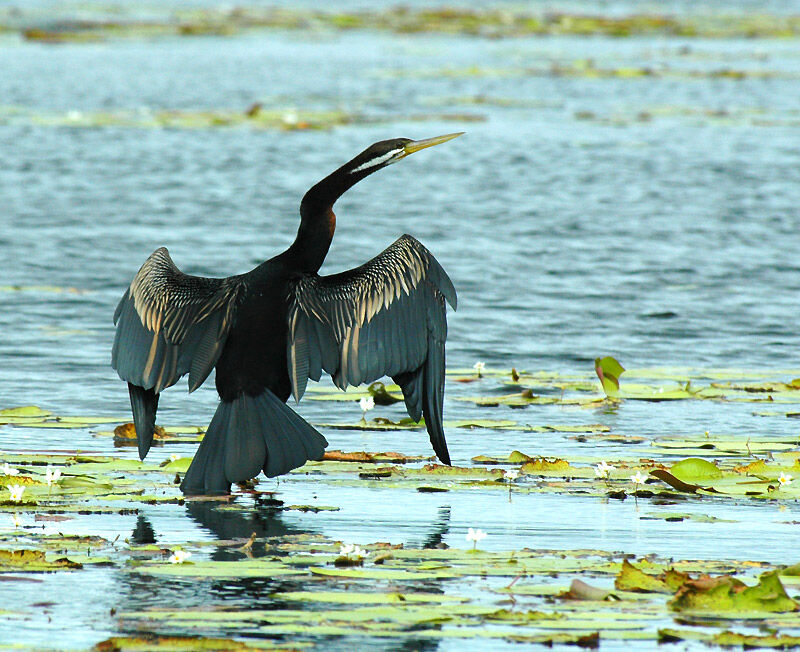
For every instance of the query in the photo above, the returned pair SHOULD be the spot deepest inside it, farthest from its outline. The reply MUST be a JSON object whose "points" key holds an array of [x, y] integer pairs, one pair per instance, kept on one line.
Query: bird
{"points": [[268, 331]]}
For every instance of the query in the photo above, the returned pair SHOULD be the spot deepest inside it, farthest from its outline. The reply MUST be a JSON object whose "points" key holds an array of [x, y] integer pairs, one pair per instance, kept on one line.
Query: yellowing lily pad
{"points": [[32, 561], [725, 596]]}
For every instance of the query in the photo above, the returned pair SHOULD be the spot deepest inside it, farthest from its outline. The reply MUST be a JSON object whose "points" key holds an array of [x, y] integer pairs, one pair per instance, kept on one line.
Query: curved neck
{"points": [[317, 220]]}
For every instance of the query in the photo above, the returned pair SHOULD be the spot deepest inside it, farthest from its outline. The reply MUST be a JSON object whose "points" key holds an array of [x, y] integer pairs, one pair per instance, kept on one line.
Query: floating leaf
{"points": [[542, 465], [695, 469], [373, 458], [727, 595], [631, 578], [27, 411], [32, 561], [608, 371], [355, 597], [218, 569], [170, 644]]}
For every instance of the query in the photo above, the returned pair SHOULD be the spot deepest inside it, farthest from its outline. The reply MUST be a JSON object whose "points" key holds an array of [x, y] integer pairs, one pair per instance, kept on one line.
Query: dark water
{"points": [[651, 218]]}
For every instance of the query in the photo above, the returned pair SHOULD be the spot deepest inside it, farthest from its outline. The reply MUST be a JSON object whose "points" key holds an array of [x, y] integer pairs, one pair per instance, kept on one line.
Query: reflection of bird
{"points": [[270, 330]]}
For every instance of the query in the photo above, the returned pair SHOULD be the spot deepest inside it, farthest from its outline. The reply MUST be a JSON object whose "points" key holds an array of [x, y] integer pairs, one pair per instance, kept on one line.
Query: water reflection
{"points": [[231, 524], [441, 528], [230, 521], [143, 532]]}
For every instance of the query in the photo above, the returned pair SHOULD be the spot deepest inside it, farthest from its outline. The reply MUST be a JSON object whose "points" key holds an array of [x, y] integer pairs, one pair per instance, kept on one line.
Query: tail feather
{"points": [[292, 441], [144, 403], [244, 446], [247, 435], [206, 473]]}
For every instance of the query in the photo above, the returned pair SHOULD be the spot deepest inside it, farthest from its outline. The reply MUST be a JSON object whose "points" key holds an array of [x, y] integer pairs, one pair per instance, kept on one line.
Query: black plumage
{"points": [[270, 330]]}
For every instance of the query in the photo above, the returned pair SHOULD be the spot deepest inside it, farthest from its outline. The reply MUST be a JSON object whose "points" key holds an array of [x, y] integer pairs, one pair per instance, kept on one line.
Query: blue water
{"points": [[651, 218]]}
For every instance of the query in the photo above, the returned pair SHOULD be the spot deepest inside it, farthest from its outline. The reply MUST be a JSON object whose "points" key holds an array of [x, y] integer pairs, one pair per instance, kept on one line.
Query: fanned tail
{"points": [[247, 435], [144, 403]]}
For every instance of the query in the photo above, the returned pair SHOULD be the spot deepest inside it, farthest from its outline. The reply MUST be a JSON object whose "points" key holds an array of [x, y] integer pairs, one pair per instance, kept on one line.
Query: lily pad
{"points": [[608, 371], [727, 596], [33, 561]]}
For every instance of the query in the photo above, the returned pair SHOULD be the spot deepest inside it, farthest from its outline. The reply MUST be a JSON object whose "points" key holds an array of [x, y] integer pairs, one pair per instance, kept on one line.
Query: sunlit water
{"points": [[652, 218]]}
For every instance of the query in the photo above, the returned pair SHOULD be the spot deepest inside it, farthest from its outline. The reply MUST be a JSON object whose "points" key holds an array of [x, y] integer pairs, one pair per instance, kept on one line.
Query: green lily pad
{"points": [[608, 371], [173, 644], [217, 569], [695, 469], [355, 597], [27, 411]]}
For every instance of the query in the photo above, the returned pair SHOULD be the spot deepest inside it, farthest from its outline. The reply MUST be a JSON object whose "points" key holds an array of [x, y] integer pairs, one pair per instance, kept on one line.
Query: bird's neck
{"points": [[317, 220]]}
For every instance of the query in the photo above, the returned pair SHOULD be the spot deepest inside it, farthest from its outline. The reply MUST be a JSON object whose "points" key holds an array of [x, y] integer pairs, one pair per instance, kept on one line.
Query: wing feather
{"points": [[386, 317], [170, 324]]}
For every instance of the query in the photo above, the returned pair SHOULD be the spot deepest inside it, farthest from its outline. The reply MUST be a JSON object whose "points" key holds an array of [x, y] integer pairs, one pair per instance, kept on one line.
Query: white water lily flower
{"points": [[179, 556], [358, 551], [8, 470], [510, 474], [16, 492], [638, 478], [602, 469], [174, 457], [52, 475], [479, 367], [290, 118], [346, 549], [475, 536], [16, 520], [784, 479], [366, 404]]}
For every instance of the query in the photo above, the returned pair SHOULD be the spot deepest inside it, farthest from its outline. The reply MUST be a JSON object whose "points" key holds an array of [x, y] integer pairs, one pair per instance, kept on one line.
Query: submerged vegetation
{"points": [[487, 22]]}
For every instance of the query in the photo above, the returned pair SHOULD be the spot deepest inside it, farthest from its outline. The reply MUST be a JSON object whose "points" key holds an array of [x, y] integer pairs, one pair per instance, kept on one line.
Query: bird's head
{"points": [[386, 152]]}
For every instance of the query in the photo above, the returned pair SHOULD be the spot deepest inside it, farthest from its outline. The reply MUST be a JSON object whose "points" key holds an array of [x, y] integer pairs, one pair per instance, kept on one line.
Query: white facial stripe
{"points": [[377, 161]]}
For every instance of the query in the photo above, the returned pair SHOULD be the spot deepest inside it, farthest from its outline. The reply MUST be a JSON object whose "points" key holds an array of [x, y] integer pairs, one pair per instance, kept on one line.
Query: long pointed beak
{"points": [[416, 145]]}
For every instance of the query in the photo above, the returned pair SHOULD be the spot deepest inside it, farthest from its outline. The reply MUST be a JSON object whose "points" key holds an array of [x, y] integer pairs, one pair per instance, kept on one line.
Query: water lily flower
{"points": [[638, 478], [174, 457], [475, 536], [290, 118], [16, 492], [16, 520], [510, 474], [348, 549], [602, 469], [479, 367], [179, 557], [366, 404], [784, 479], [52, 475], [8, 470]]}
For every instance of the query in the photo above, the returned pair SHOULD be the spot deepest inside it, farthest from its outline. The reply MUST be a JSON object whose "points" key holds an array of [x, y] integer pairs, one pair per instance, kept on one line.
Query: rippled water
{"points": [[651, 218]]}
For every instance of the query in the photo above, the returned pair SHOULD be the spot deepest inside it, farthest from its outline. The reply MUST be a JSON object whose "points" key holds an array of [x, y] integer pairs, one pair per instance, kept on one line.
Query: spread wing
{"points": [[170, 323], [384, 318]]}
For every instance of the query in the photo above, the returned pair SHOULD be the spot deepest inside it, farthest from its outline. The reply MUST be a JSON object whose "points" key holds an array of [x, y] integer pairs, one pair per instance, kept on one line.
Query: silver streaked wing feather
{"points": [[374, 320], [170, 324]]}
